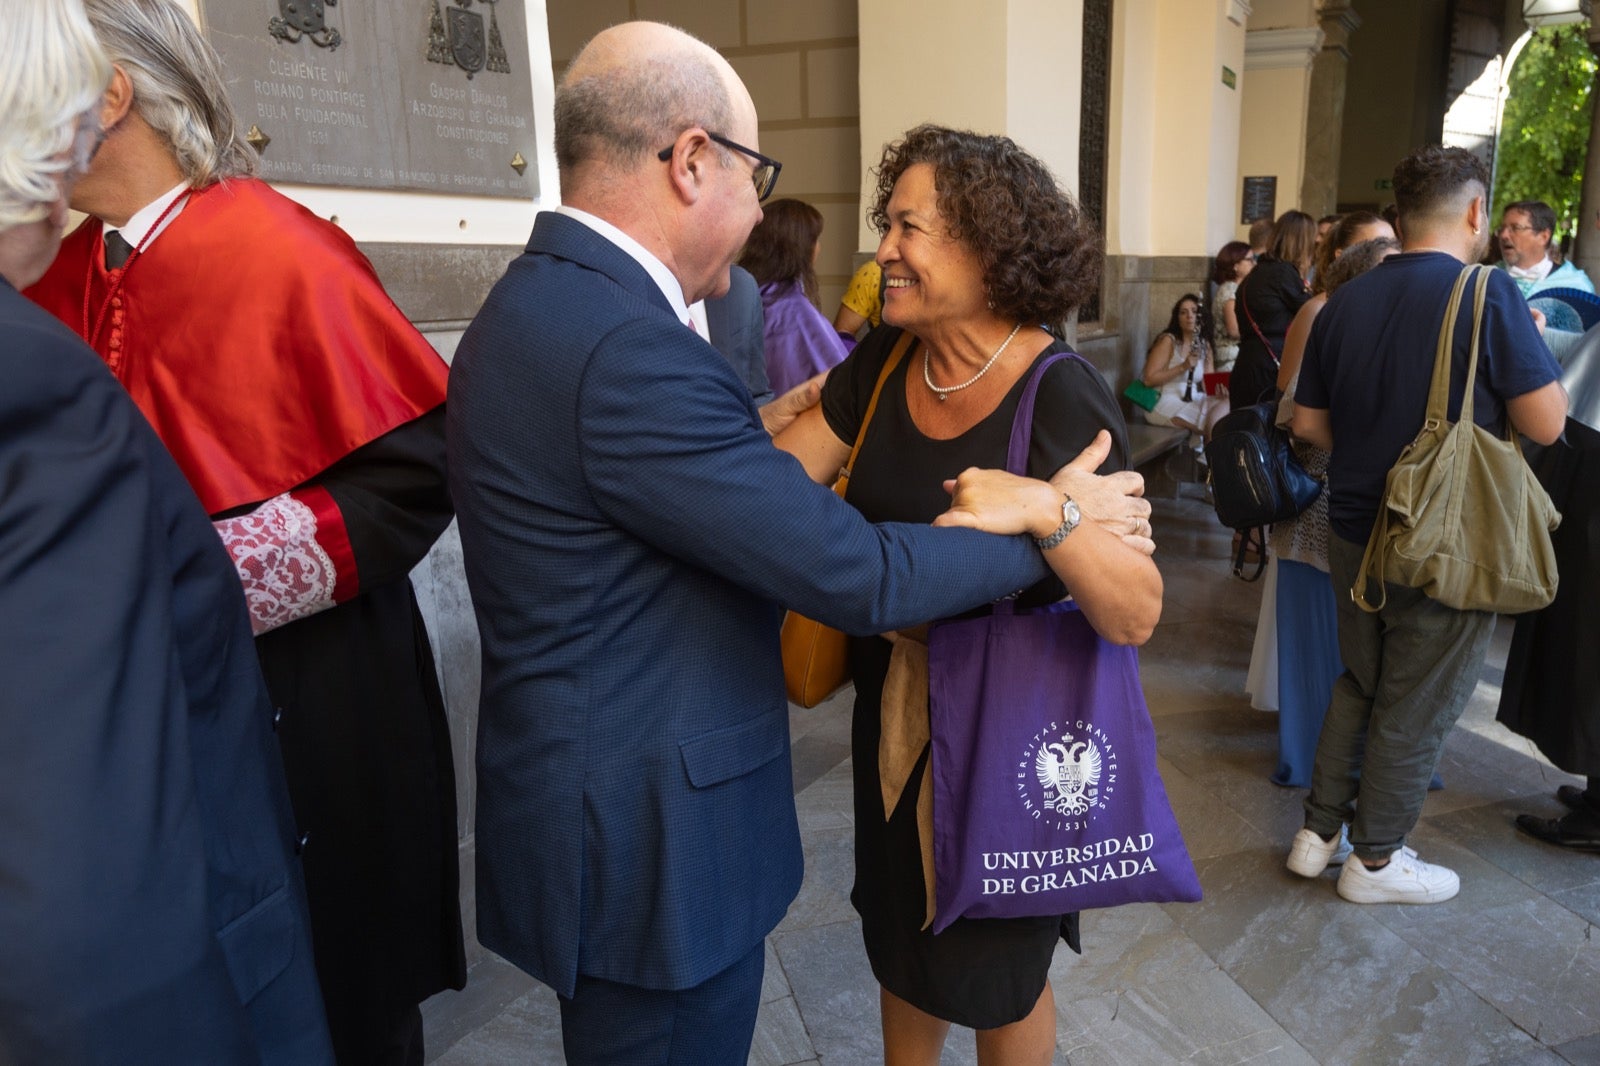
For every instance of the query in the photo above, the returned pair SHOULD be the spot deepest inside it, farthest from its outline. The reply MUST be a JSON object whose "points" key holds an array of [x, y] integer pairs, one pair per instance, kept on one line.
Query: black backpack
{"points": [[1255, 478]]}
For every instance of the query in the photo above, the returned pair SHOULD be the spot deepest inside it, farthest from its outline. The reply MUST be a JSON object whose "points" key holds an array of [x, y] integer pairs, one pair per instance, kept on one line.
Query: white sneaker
{"points": [[1407, 879], [1309, 855]]}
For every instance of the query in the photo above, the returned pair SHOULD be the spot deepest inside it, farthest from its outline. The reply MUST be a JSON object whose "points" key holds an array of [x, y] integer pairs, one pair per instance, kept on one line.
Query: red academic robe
{"points": [[261, 346]]}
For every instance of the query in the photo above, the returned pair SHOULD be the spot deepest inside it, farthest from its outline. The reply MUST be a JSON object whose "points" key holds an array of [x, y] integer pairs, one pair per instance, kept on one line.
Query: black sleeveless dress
{"points": [[981, 973]]}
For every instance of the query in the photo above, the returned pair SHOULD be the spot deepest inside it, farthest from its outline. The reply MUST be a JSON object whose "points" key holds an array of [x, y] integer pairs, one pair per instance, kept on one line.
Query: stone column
{"points": [[1586, 242], [1319, 189]]}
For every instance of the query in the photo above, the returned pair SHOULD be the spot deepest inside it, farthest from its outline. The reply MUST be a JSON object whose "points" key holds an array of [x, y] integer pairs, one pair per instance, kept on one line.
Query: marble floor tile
{"points": [[1184, 667], [1490, 832], [1202, 1019], [780, 1037], [1538, 1056], [1535, 961], [828, 802], [492, 985], [834, 990], [830, 865], [1342, 984], [1209, 826], [1584, 901], [1126, 947], [1584, 1052], [528, 1031], [774, 985]]}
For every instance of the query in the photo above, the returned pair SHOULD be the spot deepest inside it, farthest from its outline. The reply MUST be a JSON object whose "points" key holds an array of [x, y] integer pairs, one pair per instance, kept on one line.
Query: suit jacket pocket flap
{"points": [[735, 750], [259, 944]]}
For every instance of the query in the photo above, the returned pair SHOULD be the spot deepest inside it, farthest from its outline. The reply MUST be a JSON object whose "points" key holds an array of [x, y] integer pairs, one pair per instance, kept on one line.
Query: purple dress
{"points": [[800, 343]]}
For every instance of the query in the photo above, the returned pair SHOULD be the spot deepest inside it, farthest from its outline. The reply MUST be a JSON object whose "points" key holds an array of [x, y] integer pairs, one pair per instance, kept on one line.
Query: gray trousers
{"points": [[1408, 673]]}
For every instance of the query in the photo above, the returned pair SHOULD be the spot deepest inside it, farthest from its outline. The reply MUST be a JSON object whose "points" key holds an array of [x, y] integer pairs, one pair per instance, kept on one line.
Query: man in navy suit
{"points": [[735, 324], [631, 537], [151, 907]]}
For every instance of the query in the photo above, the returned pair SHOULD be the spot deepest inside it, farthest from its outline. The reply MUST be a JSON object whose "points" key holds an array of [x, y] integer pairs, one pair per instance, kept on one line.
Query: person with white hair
{"points": [[151, 905], [307, 413]]}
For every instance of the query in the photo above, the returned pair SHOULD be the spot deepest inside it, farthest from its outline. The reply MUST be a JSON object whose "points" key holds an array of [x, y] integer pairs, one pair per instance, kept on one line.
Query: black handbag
{"points": [[1255, 478]]}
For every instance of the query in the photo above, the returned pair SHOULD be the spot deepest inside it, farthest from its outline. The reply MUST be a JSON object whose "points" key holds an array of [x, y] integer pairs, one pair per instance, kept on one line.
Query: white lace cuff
{"points": [[286, 574]]}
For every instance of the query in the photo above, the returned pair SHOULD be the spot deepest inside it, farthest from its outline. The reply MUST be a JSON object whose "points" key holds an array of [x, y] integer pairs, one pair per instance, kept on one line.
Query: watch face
{"points": [[1070, 513]]}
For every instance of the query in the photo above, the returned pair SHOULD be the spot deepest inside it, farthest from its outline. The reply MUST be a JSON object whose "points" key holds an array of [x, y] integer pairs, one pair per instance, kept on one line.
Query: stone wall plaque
{"points": [[419, 95]]}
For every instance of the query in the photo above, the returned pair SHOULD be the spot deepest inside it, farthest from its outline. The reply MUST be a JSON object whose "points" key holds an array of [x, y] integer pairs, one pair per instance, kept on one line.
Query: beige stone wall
{"points": [[799, 61], [1275, 98], [1392, 94], [1007, 68]]}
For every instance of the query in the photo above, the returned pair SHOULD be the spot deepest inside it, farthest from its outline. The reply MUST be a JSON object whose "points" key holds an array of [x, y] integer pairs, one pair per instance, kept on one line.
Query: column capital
{"points": [[1338, 20], [1239, 11], [1292, 49]]}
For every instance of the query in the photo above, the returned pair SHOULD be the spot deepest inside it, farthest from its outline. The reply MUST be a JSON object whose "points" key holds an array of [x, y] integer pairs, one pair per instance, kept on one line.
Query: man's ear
{"points": [[691, 154], [118, 99], [1477, 213]]}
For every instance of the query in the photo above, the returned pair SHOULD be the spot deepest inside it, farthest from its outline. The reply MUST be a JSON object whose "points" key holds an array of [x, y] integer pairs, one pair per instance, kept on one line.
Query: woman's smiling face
{"points": [[930, 276]]}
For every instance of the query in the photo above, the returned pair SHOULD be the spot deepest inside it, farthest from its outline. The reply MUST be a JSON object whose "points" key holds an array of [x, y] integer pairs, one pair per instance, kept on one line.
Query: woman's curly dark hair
{"points": [[1040, 254]]}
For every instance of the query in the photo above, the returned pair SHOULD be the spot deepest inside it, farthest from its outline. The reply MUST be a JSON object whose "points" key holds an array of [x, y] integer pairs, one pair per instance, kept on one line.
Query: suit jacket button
{"points": [[300, 844], [277, 716]]}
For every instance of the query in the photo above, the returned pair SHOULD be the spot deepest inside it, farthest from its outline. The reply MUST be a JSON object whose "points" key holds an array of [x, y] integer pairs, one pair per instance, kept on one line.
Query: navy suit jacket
{"points": [[738, 330], [151, 907], [631, 537]]}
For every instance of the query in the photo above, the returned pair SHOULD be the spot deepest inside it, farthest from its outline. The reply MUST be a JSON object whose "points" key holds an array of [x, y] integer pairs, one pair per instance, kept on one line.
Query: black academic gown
{"points": [[1551, 693]]}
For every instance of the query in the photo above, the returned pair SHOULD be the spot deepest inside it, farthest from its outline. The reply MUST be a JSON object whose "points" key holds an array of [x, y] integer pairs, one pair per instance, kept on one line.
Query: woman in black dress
{"points": [[979, 246], [1268, 300]]}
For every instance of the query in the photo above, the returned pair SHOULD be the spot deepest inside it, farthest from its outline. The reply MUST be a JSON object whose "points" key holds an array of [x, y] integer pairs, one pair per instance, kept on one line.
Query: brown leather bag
{"points": [[816, 658]]}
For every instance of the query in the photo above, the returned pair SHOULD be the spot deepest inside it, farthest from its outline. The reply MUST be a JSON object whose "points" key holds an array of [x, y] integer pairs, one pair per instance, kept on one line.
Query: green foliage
{"points": [[1544, 135]]}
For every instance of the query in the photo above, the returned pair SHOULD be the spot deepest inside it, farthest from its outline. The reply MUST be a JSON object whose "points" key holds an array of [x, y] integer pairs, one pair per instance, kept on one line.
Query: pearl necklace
{"points": [[944, 393]]}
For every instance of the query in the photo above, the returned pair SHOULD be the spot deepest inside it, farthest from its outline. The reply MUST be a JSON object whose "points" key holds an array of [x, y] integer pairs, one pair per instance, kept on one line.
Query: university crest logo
{"points": [[1067, 773]]}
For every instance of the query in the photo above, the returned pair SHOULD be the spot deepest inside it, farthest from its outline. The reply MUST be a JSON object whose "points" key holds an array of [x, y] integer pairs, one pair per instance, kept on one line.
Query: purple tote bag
{"points": [[1046, 796]]}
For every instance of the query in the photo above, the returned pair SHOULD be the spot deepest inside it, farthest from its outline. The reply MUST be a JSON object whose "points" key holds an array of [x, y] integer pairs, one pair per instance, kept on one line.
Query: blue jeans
{"points": [[1409, 671]]}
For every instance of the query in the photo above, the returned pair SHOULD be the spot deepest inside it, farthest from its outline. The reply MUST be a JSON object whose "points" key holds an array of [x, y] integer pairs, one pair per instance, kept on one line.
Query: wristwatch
{"points": [[1070, 517]]}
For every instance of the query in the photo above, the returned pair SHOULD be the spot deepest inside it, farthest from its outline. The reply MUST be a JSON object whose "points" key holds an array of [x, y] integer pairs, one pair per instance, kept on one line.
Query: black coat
{"points": [[1267, 302], [1551, 693]]}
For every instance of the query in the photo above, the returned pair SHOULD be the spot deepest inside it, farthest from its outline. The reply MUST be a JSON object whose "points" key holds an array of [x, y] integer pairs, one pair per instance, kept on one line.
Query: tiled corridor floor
{"points": [[1269, 968]]}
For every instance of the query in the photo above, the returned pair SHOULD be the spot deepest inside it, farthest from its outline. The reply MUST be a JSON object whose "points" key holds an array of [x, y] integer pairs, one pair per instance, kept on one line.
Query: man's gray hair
{"points": [[52, 76], [626, 114], [178, 87]]}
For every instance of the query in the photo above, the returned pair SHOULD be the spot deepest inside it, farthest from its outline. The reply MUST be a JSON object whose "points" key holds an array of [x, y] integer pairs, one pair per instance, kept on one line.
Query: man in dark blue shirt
{"points": [[1410, 668]]}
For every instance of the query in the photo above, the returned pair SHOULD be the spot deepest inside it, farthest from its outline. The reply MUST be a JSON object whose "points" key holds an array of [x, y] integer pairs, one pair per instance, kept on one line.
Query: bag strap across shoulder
{"points": [[1022, 424], [1277, 359], [896, 353], [1022, 436], [1439, 387]]}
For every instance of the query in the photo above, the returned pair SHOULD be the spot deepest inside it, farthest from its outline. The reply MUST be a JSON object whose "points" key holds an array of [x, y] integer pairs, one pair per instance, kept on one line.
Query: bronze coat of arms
{"points": [[304, 18], [457, 36]]}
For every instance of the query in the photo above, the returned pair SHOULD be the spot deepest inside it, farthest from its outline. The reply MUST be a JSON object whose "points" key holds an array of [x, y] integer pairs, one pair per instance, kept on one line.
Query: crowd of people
{"points": [[230, 830]]}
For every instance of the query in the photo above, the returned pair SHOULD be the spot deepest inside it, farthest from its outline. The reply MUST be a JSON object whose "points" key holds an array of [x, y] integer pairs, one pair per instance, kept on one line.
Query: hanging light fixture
{"points": [[1537, 13]]}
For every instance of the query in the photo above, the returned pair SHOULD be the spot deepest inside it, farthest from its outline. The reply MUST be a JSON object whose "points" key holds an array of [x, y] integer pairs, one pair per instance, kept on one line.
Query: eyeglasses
{"points": [[1514, 227], [765, 175]]}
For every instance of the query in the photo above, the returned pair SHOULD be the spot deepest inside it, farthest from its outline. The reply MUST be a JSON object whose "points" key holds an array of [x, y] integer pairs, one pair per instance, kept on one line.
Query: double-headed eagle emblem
{"points": [[1071, 772]]}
